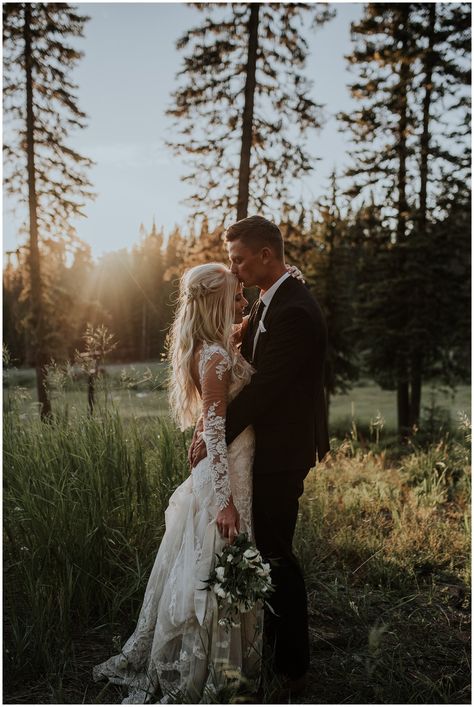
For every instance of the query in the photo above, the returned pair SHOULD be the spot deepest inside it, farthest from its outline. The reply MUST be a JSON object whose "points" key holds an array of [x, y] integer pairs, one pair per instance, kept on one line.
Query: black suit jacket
{"points": [[284, 401]]}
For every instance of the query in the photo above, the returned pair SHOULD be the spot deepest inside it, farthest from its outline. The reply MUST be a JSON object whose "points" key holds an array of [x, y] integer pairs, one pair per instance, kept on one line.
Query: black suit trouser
{"points": [[275, 512]]}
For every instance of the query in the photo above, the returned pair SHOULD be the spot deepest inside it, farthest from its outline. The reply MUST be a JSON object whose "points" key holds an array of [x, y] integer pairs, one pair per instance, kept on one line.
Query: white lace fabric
{"points": [[178, 646], [215, 367]]}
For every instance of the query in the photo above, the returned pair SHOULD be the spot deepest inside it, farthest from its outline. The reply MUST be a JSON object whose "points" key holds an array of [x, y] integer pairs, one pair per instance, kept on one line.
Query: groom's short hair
{"points": [[257, 232]]}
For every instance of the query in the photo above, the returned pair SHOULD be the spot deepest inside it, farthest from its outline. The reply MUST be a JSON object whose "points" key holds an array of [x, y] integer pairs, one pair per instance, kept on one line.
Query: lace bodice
{"points": [[218, 386]]}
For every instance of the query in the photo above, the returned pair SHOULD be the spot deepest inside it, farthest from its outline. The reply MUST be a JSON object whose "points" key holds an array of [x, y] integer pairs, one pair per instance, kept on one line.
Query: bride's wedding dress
{"points": [[178, 645]]}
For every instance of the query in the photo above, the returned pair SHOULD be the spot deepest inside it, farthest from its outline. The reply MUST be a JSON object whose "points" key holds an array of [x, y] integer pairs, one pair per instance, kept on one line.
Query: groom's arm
{"points": [[292, 345]]}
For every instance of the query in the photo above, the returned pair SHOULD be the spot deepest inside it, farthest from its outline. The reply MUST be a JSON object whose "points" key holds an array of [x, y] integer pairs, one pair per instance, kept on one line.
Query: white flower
{"points": [[122, 661], [264, 570], [229, 558], [250, 554], [220, 573], [219, 591]]}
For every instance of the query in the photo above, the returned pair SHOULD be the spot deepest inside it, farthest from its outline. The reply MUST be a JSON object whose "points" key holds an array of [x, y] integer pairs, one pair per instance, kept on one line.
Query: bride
{"points": [[179, 646]]}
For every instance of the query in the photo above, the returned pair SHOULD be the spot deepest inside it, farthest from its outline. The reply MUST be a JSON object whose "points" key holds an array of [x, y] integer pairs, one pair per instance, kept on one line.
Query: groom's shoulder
{"points": [[296, 303], [295, 294]]}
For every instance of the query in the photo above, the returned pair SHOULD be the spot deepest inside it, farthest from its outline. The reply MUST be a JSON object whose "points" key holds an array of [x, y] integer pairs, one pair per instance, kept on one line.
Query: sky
{"points": [[125, 81]]}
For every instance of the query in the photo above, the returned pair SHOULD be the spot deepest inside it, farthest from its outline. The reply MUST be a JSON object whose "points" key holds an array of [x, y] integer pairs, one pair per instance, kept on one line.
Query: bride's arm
{"points": [[296, 273], [215, 384]]}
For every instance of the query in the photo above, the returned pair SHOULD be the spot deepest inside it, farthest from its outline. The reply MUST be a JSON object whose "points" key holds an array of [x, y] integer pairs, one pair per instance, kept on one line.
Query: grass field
{"points": [[364, 401], [139, 390], [383, 537]]}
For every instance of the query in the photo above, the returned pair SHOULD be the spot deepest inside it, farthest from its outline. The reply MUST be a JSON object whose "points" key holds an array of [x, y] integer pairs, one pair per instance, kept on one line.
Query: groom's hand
{"points": [[197, 452], [228, 522]]}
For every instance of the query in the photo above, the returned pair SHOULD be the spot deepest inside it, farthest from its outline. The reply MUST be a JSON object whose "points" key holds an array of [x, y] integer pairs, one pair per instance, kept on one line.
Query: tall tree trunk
{"points": [[247, 119], [36, 293], [402, 206], [417, 359], [403, 408], [425, 136], [403, 397], [416, 379]]}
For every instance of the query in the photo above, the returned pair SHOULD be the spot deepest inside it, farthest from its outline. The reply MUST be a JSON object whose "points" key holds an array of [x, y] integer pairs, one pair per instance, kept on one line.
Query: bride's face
{"points": [[239, 305]]}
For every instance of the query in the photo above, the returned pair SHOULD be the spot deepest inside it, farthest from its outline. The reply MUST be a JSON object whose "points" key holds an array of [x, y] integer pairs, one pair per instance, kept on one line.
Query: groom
{"points": [[285, 341]]}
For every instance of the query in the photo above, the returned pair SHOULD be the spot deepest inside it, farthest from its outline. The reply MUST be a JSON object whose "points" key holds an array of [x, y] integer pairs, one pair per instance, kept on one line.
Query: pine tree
{"points": [[207, 246], [148, 273], [443, 33], [67, 301], [376, 315], [385, 57], [409, 60], [334, 285], [14, 309], [175, 254], [383, 127], [244, 106], [42, 172], [442, 85], [318, 241]]}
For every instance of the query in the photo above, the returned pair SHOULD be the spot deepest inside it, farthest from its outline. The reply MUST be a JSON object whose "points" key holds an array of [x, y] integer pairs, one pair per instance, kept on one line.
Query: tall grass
{"points": [[84, 503], [384, 543], [386, 554]]}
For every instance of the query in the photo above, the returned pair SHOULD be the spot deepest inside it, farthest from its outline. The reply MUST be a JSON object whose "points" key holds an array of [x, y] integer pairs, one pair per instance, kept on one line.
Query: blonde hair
{"points": [[205, 313]]}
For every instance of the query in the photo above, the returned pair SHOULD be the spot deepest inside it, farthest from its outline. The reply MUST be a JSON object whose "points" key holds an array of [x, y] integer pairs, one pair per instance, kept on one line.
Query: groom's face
{"points": [[248, 265]]}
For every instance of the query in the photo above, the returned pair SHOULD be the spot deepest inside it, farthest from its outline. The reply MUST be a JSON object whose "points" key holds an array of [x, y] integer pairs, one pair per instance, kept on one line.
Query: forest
{"points": [[385, 249]]}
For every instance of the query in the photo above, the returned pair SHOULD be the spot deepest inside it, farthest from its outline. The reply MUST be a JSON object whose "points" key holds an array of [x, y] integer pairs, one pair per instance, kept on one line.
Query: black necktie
{"points": [[255, 318], [254, 324]]}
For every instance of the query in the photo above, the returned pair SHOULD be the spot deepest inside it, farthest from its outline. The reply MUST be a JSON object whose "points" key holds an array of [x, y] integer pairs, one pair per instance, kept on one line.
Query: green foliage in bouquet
{"points": [[240, 579]]}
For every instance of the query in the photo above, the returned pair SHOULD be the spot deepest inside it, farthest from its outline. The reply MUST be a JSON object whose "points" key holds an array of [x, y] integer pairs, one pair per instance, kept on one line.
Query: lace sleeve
{"points": [[215, 366]]}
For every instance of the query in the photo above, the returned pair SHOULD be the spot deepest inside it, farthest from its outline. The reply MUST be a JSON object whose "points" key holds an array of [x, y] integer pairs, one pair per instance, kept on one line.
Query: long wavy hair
{"points": [[205, 313]]}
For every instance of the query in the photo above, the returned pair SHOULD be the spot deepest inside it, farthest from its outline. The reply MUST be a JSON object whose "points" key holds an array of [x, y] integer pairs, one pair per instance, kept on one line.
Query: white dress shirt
{"points": [[266, 298]]}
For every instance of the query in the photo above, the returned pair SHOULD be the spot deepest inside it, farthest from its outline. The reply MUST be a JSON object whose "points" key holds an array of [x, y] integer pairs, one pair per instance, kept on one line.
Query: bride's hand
{"points": [[295, 272], [197, 452], [228, 522]]}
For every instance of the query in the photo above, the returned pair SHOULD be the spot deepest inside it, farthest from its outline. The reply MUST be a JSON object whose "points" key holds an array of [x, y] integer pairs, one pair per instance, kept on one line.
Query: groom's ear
{"points": [[266, 255]]}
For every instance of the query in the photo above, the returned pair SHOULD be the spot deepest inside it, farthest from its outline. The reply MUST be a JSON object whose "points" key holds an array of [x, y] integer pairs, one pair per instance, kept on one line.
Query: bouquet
{"points": [[240, 579]]}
